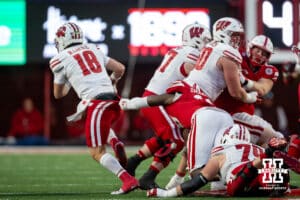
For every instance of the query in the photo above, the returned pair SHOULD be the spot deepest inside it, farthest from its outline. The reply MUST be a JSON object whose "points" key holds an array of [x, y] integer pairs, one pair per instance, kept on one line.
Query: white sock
{"points": [[172, 192], [111, 163], [111, 135]]}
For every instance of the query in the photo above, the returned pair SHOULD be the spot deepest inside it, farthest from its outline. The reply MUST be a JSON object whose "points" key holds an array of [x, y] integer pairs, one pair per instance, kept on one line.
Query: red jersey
{"points": [[254, 73], [190, 100], [26, 123]]}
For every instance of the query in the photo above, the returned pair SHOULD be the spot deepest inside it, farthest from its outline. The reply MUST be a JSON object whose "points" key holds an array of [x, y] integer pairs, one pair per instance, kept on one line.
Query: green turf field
{"points": [[69, 176]]}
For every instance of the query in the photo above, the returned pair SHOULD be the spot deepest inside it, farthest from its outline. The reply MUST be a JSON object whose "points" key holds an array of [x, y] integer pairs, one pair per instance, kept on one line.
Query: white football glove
{"points": [[251, 97], [134, 103]]}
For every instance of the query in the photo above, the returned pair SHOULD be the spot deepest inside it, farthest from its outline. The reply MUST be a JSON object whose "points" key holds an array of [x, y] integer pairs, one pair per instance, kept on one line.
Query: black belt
{"points": [[106, 96]]}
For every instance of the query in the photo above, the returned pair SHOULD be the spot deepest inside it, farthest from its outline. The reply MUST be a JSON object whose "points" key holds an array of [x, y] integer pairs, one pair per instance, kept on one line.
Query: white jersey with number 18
{"points": [[83, 66]]}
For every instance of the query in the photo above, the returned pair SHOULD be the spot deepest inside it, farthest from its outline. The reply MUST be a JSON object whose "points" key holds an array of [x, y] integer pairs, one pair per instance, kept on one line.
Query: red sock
{"points": [[153, 168], [124, 176], [181, 174]]}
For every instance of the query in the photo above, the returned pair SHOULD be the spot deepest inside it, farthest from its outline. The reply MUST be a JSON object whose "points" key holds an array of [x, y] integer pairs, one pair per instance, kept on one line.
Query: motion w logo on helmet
{"points": [[61, 31], [196, 32], [221, 25]]}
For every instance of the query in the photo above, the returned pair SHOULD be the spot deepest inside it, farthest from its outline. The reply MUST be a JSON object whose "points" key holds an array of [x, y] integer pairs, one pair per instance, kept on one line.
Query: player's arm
{"points": [[61, 90], [232, 79], [61, 86], [188, 67], [117, 69], [263, 86], [206, 174], [141, 102]]}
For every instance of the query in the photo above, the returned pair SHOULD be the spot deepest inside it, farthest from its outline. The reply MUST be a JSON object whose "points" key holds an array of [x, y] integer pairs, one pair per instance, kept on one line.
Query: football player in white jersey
{"points": [[255, 67], [168, 140], [237, 161], [84, 68], [217, 68]]}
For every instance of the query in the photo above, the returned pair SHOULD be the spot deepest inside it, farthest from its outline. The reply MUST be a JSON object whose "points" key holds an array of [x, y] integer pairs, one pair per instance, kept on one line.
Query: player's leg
{"points": [[261, 131], [160, 161], [98, 122], [118, 147], [178, 177], [163, 127], [244, 176], [206, 124]]}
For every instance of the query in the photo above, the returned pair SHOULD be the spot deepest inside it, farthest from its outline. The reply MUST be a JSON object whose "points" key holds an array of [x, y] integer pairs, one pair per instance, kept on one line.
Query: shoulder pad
{"points": [[55, 64]]}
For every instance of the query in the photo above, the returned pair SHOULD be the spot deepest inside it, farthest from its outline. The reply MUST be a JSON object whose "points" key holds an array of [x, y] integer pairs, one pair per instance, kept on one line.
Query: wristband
{"points": [[248, 84], [140, 102]]}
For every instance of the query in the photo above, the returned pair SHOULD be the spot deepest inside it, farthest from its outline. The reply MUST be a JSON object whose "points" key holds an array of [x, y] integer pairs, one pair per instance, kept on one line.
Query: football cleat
{"points": [[127, 186], [175, 180]]}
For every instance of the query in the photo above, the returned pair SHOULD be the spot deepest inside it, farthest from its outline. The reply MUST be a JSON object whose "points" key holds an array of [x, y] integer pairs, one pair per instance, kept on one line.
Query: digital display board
{"points": [[12, 32], [120, 31], [279, 19]]}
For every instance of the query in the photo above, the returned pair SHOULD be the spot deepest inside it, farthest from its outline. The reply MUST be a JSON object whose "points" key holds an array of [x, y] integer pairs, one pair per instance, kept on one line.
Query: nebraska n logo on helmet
{"points": [[67, 35]]}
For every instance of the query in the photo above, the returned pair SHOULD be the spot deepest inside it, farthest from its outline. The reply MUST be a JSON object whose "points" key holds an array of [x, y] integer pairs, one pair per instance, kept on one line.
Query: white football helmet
{"points": [[196, 35], [229, 31], [236, 134], [262, 42], [67, 34]]}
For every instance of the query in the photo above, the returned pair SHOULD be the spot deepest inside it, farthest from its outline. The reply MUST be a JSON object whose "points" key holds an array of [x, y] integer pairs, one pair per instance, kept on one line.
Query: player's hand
{"points": [[134, 103], [277, 143], [252, 97], [123, 103], [129, 104]]}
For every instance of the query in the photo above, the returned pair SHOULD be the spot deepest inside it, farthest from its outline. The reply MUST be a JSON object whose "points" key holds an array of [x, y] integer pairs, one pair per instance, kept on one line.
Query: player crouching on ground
{"points": [[238, 163]]}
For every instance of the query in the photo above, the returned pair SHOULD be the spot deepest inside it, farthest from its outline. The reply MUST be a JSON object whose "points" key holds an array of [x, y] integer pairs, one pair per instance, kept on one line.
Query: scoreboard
{"points": [[279, 20], [142, 29]]}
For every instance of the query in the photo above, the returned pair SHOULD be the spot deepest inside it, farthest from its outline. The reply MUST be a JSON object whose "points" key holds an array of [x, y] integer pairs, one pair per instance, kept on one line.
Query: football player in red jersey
{"points": [[191, 99], [168, 140], [256, 75]]}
